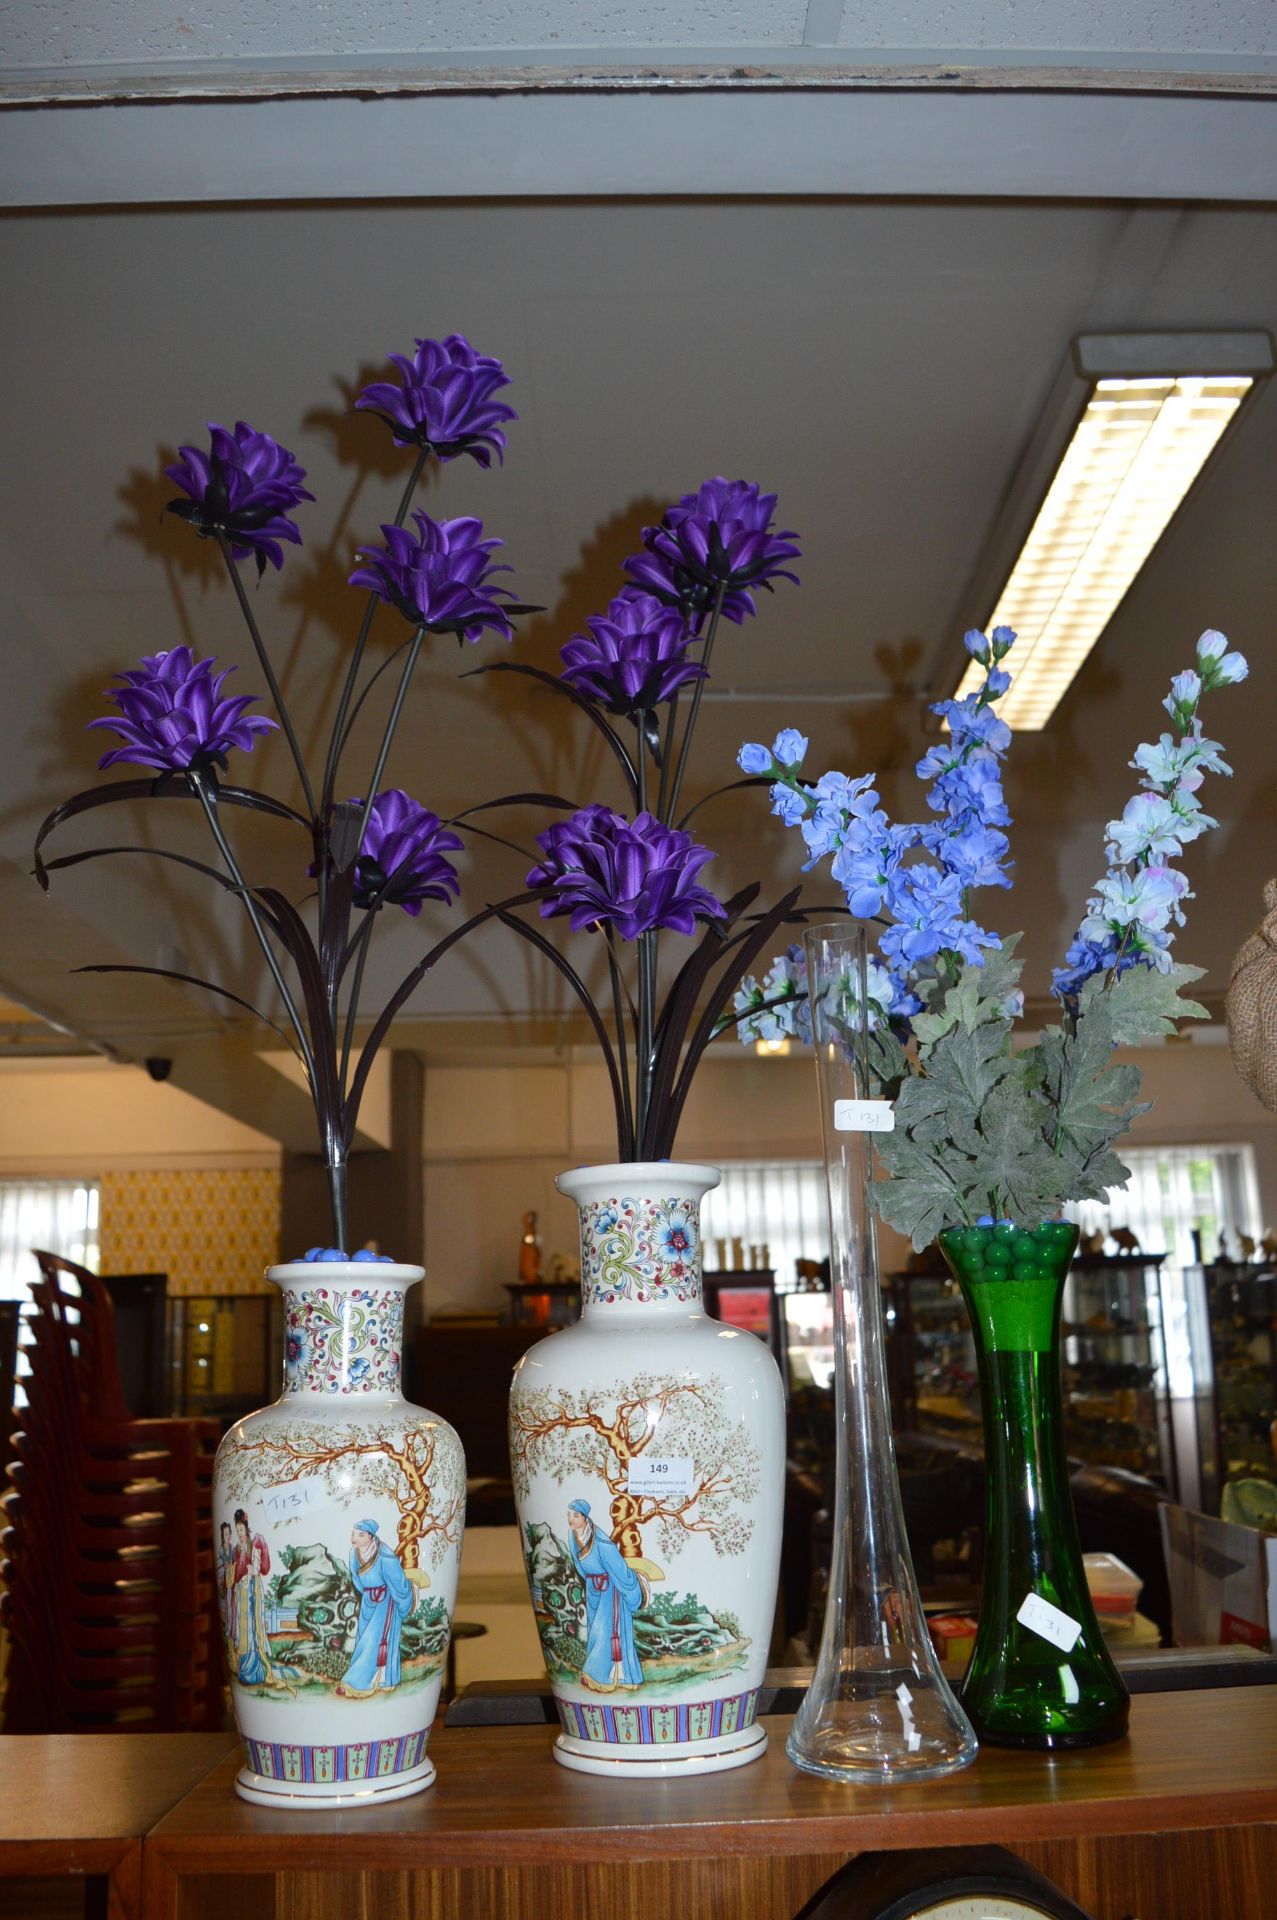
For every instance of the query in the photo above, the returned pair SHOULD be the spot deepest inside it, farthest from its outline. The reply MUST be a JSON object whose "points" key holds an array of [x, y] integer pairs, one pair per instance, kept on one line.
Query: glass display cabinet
{"points": [[1116, 1385], [1241, 1310], [224, 1353]]}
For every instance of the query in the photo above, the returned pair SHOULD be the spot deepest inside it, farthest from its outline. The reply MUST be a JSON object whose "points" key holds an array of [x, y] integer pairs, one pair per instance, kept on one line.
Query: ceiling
{"points": [[880, 364]]}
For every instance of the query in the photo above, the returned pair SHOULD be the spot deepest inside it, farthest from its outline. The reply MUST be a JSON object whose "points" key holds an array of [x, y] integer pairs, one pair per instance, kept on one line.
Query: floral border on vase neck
{"points": [[342, 1340], [640, 1251]]}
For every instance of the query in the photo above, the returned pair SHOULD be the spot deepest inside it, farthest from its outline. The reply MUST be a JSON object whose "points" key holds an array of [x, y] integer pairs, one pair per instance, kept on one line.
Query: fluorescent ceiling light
{"points": [[1143, 436]]}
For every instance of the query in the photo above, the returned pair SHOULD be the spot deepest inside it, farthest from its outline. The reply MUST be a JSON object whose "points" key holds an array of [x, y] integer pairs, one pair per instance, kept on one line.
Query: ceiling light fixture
{"points": [[772, 1049], [1131, 422]]}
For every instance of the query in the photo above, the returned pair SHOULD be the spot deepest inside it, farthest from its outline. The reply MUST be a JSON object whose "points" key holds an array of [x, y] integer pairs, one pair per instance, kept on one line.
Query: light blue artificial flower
{"points": [[754, 759], [790, 803], [969, 718], [1148, 829], [789, 747], [1186, 691], [977, 855], [1217, 666], [1170, 763]]}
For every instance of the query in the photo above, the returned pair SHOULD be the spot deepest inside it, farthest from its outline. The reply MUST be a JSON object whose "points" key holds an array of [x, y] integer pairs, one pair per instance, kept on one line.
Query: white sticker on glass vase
{"points": [[864, 1116], [1049, 1622]]}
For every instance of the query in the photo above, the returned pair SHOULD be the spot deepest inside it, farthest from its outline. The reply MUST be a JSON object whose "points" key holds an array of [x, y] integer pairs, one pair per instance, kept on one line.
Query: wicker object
{"points": [[1251, 1007]]}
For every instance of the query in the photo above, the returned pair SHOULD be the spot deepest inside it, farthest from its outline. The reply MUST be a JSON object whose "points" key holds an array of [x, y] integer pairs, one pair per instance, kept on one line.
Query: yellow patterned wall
{"points": [[211, 1232]]}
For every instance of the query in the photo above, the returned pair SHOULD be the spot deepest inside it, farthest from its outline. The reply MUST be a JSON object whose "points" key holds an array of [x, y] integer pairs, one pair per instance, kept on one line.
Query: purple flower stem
{"points": [[621, 1053], [646, 1011], [667, 763], [208, 800], [363, 940], [365, 690], [409, 664], [697, 691], [338, 739], [276, 692]]}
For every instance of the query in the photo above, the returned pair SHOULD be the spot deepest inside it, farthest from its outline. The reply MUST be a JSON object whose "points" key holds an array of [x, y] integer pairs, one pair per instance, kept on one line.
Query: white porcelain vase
{"points": [[338, 1514], [647, 1448]]}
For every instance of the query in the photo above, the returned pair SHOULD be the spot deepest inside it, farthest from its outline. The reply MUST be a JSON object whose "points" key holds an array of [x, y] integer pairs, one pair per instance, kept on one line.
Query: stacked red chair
{"points": [[110, 1600]]}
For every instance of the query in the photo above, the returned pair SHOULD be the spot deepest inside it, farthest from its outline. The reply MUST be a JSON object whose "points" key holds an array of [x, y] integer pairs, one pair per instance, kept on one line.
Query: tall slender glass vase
{"points": [[878, 1708], [1040, 1675]]}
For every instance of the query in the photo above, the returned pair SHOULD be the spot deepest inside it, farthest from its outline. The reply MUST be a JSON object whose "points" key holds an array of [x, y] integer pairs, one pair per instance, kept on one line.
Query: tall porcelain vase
{"points": [[338, 1515], [647, 1447]]}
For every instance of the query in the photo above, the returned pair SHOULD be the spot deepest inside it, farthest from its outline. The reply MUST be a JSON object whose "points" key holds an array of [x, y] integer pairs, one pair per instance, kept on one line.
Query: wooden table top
{"points": [[1204, 1759], [102, 1786]]}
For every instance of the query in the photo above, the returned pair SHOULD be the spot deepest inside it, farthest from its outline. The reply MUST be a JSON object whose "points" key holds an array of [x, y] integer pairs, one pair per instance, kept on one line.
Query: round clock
{"points": [[947, 1883]]}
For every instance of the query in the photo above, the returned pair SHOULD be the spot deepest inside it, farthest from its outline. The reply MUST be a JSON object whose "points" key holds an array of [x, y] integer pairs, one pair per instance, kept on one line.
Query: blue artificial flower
{"points": [[838, 802], [778, 1009], [789, 747], [972, 719], [977, 854], [866, 861], [753, 758], [927, 907], [876, 862], [790, 804]]}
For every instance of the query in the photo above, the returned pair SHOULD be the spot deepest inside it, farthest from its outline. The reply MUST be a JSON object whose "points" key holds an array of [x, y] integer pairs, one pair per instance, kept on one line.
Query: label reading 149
{"points": [[662, 1479]]}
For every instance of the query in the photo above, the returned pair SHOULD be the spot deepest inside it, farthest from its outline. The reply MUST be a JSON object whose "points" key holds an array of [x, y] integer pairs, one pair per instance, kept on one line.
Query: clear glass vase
{"points": [[1041, 1675], [878, 1707]]}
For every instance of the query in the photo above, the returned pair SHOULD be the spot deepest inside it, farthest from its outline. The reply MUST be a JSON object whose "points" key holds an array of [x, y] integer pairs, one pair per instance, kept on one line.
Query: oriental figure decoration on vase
{"points": [[647, 1449], [340, 1512]]}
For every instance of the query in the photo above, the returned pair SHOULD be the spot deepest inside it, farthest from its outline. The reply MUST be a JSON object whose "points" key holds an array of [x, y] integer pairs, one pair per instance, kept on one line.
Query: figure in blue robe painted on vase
{"points": [[386, 1598], [614, 1592], [253, 1662]]}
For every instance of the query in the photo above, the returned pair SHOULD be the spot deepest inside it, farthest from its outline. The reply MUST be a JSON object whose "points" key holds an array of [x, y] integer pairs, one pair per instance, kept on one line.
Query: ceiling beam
{"points": [[912, 142]]}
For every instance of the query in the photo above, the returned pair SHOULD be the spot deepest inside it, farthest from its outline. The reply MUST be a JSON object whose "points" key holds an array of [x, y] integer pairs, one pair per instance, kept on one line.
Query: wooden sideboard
{"points": [[1177, 1823], [79, 1806]]}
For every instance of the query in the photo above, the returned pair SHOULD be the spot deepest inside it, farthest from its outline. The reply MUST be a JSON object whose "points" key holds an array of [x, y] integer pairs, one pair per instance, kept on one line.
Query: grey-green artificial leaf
{"points": [[981, 1129], [1143, 1004]]}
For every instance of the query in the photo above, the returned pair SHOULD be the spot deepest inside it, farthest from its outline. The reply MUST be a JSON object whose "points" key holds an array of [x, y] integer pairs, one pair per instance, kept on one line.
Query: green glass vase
{"points": [[1040, 1674]]}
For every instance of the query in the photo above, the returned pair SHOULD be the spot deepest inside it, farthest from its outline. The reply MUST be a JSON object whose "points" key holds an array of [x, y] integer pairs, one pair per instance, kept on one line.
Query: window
{"points": [[1176, 1191], [60, 1216], [777, 1205]]}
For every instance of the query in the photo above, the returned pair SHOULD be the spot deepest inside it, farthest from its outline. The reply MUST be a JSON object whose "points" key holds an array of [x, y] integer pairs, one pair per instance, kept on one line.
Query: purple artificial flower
{"points": [[634, 657], [403, 858], [719, 538], [438, 579], [604, 871], [445, 403], [245, 487], [173, 716]]}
